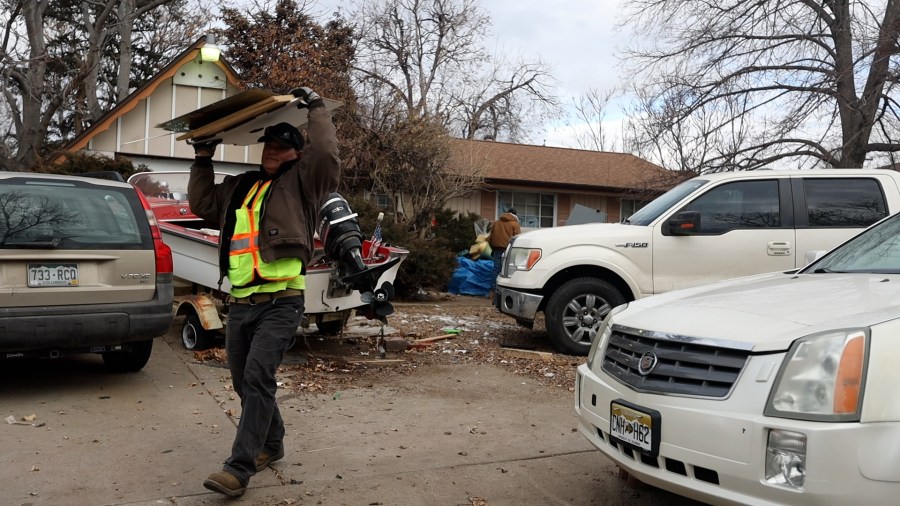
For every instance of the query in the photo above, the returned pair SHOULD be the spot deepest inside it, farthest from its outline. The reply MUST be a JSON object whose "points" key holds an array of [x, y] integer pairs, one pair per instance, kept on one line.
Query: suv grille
{"points": [[684, 365]]}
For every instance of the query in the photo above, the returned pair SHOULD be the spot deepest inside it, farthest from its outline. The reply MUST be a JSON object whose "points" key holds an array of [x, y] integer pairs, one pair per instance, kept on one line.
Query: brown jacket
{"points": [[291, 208], [503, 230]]}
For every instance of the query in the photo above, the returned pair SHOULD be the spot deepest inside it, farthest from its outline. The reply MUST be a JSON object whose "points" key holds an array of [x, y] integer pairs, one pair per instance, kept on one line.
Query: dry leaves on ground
{"points": [[476, 333]]}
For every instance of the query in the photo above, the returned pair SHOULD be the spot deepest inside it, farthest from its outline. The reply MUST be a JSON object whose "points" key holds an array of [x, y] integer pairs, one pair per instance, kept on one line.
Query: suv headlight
{"points": [[520, 259], [822, 378]]}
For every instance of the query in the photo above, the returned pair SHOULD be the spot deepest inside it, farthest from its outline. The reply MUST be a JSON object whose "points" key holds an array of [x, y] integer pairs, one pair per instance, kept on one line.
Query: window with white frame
{"points": [[535, 210]]}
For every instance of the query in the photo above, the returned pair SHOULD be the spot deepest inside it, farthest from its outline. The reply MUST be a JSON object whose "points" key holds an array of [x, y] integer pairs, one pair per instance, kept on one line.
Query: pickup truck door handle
{"points": [[779, 248]]}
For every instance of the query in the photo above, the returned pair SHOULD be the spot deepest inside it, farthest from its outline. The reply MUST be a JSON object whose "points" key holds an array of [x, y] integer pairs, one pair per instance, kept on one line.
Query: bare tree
{"points": [[420, 50], [420, 66], [504, 100], [59, 68], [156, 30], [428, 56], [705, 141], [802, 82], [591, 109], [416, 162]]}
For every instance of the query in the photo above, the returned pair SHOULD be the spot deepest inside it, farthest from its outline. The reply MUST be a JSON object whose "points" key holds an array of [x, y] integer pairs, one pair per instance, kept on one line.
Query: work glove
{"points": [[206, 148], [308, 98]]}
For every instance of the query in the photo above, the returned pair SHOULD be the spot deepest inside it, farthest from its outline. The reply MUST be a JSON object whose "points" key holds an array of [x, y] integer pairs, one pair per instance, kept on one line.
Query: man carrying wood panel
{"points": [[266, 218]]}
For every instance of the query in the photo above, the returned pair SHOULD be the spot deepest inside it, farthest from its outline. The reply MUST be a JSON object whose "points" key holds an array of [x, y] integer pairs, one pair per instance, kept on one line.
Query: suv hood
{"points": [[770, 311]]}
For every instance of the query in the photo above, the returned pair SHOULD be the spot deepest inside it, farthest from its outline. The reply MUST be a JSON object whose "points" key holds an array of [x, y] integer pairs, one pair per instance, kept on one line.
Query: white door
{"points": [[741, 231]]}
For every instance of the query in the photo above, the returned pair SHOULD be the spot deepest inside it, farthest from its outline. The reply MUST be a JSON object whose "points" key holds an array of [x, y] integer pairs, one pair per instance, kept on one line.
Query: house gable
{"points": [[185, 84]]}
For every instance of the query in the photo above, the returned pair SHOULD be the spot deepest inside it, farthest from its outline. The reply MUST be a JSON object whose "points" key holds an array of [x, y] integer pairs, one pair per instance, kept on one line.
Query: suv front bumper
{"points": [[714, 450], [520, 305]]}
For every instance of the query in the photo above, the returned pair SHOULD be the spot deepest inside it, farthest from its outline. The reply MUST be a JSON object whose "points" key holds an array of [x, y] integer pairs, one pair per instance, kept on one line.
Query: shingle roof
{"points": [[528, 164]]}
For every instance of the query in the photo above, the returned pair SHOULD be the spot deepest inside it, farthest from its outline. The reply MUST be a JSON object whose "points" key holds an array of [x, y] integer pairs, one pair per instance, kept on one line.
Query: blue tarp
{"points": [[472, 277]]}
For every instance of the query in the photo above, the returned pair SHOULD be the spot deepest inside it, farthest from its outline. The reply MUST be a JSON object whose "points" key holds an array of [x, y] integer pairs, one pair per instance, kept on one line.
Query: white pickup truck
{"points": [[706, 229]]}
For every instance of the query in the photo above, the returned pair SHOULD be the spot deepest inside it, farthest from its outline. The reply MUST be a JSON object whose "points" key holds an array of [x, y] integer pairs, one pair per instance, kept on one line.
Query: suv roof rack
{"points": [[103, 174]]}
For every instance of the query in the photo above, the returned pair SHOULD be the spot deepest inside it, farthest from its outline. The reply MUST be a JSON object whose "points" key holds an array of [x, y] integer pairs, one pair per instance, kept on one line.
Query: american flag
{"points": [[375, 242]]}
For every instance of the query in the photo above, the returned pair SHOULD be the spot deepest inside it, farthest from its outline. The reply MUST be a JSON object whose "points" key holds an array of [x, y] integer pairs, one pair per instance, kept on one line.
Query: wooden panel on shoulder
{"points": [[240, 119], [215, 111], [237, 118]]}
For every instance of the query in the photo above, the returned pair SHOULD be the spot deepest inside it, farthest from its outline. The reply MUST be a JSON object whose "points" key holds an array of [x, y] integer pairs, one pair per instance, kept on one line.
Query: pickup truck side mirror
{"points": [[685, 223]]}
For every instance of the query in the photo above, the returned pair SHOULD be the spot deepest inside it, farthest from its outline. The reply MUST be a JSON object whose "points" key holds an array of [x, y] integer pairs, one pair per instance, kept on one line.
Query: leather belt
{"points": [[259, 298]]}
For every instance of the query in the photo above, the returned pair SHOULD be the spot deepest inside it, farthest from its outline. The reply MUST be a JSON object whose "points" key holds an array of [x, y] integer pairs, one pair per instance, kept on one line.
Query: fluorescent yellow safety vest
{"points": [[244, 263]]}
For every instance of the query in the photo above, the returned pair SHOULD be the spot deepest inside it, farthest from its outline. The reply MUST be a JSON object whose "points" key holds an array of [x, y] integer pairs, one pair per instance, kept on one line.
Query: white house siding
{"points": [[463, 205], [159, 109], [132, 130]]}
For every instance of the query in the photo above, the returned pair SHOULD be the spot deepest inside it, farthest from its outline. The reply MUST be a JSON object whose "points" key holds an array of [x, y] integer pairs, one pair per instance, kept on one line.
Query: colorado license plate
{"points": [[635, 426], [52, 275]]}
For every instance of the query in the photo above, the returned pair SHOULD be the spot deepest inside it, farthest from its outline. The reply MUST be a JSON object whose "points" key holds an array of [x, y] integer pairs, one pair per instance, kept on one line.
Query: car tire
{"points": [[132, 360], [193, 336], [575, 311]]}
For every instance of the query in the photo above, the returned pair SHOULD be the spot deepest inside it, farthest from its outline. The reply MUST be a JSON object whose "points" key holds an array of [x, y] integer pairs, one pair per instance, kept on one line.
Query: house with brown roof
{"points": [[544, 184]]}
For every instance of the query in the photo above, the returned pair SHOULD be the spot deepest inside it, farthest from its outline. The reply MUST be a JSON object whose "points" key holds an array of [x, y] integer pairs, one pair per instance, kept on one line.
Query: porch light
{"points": [[210, 51]]}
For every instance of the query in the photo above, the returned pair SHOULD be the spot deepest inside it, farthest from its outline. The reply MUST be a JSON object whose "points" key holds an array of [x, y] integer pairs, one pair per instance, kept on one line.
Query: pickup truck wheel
{"points": [[194, 336], [575, 311], [132, 360]]}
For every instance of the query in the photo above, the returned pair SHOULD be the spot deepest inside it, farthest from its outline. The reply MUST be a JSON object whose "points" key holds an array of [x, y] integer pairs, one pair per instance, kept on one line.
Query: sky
{"points": [[577, 39]]}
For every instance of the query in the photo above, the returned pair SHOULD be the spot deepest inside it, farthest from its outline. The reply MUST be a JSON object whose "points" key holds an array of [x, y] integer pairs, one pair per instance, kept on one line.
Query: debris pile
{"points": [[447, 331]]}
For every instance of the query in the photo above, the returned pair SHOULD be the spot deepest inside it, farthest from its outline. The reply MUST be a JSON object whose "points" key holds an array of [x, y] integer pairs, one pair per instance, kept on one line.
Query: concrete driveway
{"points": [[443, 435]]}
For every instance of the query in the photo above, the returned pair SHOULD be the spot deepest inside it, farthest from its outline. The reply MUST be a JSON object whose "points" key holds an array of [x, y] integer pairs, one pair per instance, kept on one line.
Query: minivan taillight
{"points": [[163, 252]]}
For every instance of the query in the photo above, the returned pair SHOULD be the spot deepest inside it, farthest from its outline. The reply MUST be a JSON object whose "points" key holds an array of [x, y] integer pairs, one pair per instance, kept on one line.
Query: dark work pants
{"points": [[256, 337]]}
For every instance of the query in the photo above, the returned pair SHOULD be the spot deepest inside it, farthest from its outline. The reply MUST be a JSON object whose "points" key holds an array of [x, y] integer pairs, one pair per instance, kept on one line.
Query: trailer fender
{"points": [[203, 306]]}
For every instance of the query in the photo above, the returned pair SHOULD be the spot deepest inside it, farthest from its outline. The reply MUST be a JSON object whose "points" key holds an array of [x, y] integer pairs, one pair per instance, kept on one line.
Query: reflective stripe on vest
{"points": [[244, 262]]}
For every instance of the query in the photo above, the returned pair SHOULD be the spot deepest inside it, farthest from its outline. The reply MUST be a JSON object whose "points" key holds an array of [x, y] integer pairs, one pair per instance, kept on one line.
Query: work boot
{"points": [[265, 458], [226, 483]]}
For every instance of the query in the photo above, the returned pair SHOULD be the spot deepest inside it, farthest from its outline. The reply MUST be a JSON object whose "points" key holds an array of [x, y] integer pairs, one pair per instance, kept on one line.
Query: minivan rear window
{"points": [[59, 214]]}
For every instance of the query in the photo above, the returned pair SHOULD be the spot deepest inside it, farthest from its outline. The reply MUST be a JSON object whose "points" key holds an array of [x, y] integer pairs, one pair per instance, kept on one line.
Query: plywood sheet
{"points": [[215, 111], [240, 119], [237, 118]]}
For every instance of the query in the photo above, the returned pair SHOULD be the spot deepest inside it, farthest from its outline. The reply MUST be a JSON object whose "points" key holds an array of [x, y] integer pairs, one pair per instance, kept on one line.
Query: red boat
{"points": [[194, 243]]}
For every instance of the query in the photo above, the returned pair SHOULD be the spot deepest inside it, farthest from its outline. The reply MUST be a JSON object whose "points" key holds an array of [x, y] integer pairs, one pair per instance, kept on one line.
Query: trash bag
{"points": [[482, 227], [471, 277], [481, 248]]}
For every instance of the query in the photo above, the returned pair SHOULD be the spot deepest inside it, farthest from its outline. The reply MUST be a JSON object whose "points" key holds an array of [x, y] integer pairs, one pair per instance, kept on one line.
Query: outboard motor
{"points": [[340, 234]]}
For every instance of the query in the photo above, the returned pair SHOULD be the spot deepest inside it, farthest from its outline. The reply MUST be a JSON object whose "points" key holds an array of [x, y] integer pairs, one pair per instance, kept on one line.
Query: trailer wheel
{"points": [[193, 336], [332, 327]]}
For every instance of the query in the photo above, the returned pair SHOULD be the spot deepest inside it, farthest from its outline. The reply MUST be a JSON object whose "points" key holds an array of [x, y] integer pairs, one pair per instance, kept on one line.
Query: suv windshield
{"points": [[651, 211], [877, 250], [48, 214]]}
